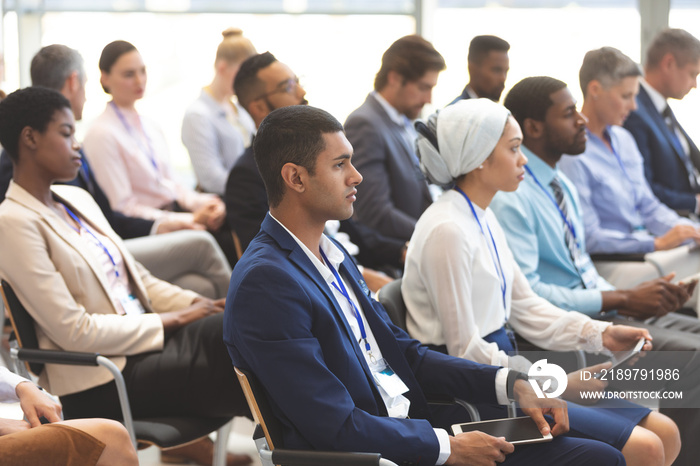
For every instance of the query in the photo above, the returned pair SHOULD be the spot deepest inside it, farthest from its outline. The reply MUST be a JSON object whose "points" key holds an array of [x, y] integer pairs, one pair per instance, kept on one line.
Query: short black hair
{"points": [[608, 66], [111, 53], [480, 46], [247, 86], [531, 98], [411, 57], [32, 107], [291, 134], [684, 46]]}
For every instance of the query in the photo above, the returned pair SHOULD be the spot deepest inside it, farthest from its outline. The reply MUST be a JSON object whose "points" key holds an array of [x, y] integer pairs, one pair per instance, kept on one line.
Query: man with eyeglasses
{"points": [[261, 85], [394, 192], [264, 84]]}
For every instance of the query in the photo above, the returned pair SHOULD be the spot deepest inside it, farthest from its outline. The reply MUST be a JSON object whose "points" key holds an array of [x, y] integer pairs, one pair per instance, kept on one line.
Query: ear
{"points": [[594, 89], [27, 137], [258, 110], [394, 79], [104, 79], [72, 84], [667, 62], [293, 176], [533, 129]]}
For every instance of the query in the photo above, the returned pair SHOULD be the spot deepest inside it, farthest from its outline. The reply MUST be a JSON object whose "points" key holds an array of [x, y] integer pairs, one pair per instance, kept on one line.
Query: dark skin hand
{"points": [[653, 298], [201, 307]]}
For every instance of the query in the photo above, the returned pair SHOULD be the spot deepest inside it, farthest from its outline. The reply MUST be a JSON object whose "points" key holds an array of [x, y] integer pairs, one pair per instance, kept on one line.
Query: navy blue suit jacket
{"points": [[663, 166], [125, 226], [283, 323]]}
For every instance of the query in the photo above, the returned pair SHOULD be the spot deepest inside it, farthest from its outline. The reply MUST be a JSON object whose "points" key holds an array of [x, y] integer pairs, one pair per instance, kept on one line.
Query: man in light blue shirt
{"points": [[545, 232], [537, 233]]}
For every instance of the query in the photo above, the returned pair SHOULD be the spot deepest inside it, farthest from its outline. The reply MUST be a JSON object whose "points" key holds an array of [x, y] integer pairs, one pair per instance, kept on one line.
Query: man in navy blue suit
{"points": [[338, 374], [671, 159]]}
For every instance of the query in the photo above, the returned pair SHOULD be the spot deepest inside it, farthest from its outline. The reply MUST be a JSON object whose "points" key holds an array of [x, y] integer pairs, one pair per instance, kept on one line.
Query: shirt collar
{"points": [[333, 253], [470, 92], [542, 171], [657, 99], [394, 114]]}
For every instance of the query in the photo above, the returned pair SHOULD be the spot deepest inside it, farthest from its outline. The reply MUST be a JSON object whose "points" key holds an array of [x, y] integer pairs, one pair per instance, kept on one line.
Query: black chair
{"points": [[163, 432], [268, 435]]}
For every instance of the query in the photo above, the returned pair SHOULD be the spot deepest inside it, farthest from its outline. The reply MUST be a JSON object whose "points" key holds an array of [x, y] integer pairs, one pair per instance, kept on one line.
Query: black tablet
{"points": [[518, 430]]}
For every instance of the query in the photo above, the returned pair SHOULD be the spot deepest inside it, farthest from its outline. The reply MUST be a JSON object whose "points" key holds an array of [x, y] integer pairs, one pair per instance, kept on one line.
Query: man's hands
{"points": [[536, 408], [676, 236], [653, 298], [201, 307], [168, 226], [477, 448]]}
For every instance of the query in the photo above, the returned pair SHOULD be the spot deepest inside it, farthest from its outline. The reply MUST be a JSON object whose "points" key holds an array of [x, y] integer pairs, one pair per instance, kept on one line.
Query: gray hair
{"points": [[684, 46], [53, 64], [608, 66]]}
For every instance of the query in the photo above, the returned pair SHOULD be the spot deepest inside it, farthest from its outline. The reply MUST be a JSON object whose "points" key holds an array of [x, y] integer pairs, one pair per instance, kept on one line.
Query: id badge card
{"points": [[589, 275], [386, 378], [130, 304]]}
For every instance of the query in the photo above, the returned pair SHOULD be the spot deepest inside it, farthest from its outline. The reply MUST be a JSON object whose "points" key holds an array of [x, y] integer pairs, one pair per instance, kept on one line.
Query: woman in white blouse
{"points": [[461, 284]]}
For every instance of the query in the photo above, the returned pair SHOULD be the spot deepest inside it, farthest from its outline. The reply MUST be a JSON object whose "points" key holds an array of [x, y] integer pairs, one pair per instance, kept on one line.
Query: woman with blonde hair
{"points": [[216, 129]]}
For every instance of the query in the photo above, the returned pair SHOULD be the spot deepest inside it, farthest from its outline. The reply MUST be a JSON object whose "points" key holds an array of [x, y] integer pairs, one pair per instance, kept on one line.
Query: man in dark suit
{"points": [[488, 65], [395, 192], [671, 159], [297, 307], [257, 86], [185, 256]]}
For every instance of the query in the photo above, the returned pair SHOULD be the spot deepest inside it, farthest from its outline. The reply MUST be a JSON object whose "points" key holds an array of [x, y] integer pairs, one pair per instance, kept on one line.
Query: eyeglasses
{"points": [[287, 86]]}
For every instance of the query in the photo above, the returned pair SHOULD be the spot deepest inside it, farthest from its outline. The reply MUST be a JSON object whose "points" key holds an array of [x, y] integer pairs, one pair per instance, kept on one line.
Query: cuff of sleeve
{"points": [[13, 380], [501, 388], [445, 450], [154, 227]]}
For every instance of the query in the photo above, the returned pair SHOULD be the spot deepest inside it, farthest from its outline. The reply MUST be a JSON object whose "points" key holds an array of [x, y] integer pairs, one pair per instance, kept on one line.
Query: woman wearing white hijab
{"points": [[461, 284]]}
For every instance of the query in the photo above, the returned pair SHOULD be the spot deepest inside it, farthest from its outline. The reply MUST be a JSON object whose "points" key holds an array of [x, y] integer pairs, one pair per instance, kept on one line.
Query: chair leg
{"points": [[221, 444]]}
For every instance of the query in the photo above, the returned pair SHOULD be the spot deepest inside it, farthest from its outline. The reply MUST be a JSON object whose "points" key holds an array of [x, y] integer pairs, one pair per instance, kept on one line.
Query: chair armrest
{"points": [[323, 458], [57, 357], [447, 400], [637, 257]]}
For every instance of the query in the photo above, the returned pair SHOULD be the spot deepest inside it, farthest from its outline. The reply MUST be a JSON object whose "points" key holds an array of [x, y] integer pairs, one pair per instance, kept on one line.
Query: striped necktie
{"points": [[563, 206]]}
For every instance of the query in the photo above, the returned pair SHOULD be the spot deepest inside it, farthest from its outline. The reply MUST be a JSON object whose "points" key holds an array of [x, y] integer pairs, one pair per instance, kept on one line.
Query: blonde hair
{"points": [[234, 48]]}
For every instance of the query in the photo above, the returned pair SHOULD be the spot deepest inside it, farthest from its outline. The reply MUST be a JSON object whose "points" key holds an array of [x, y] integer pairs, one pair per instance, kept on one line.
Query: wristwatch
{"points": [[513, 376]]}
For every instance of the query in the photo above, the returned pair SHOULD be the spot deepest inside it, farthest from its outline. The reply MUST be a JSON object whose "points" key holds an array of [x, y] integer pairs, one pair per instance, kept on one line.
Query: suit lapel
{"points": [[660, 122], [298, 257]]}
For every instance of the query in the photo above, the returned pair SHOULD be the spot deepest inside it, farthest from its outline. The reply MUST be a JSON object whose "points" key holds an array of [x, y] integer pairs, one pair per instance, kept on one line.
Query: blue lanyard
{"points": [[104, 248], [147, 150], [356, 312], [496, 260], [568, 224]]}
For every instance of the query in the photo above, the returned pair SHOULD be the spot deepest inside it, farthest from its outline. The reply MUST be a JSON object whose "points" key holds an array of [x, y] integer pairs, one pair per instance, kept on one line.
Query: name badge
{"points": [[386, 378], [130, 305]]}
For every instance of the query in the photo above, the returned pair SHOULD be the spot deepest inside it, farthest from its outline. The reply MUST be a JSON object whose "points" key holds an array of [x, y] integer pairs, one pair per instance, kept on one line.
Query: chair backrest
{"points": [[260, 407], [22, 324], [392, 300]]}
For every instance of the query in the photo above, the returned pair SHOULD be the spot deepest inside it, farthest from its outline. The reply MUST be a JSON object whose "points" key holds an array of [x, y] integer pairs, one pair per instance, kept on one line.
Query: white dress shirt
{"points": [[453, 291], [335, 257], [8, 385]]}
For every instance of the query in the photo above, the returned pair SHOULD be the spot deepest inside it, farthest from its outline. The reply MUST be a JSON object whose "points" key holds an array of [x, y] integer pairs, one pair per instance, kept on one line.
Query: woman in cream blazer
{"points": [[85, 292]]}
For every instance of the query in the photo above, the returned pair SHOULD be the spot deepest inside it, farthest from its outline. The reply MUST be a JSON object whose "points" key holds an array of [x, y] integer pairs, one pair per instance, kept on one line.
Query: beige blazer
{"points": [[65, 289]]}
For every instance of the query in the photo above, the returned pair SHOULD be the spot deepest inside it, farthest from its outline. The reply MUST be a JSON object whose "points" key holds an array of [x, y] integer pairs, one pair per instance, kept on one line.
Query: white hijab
{"points": [[458, 138]]}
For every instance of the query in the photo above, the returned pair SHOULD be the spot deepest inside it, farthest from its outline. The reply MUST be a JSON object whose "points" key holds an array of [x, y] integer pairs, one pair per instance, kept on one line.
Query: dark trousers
{"points": [[193, 375]]}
